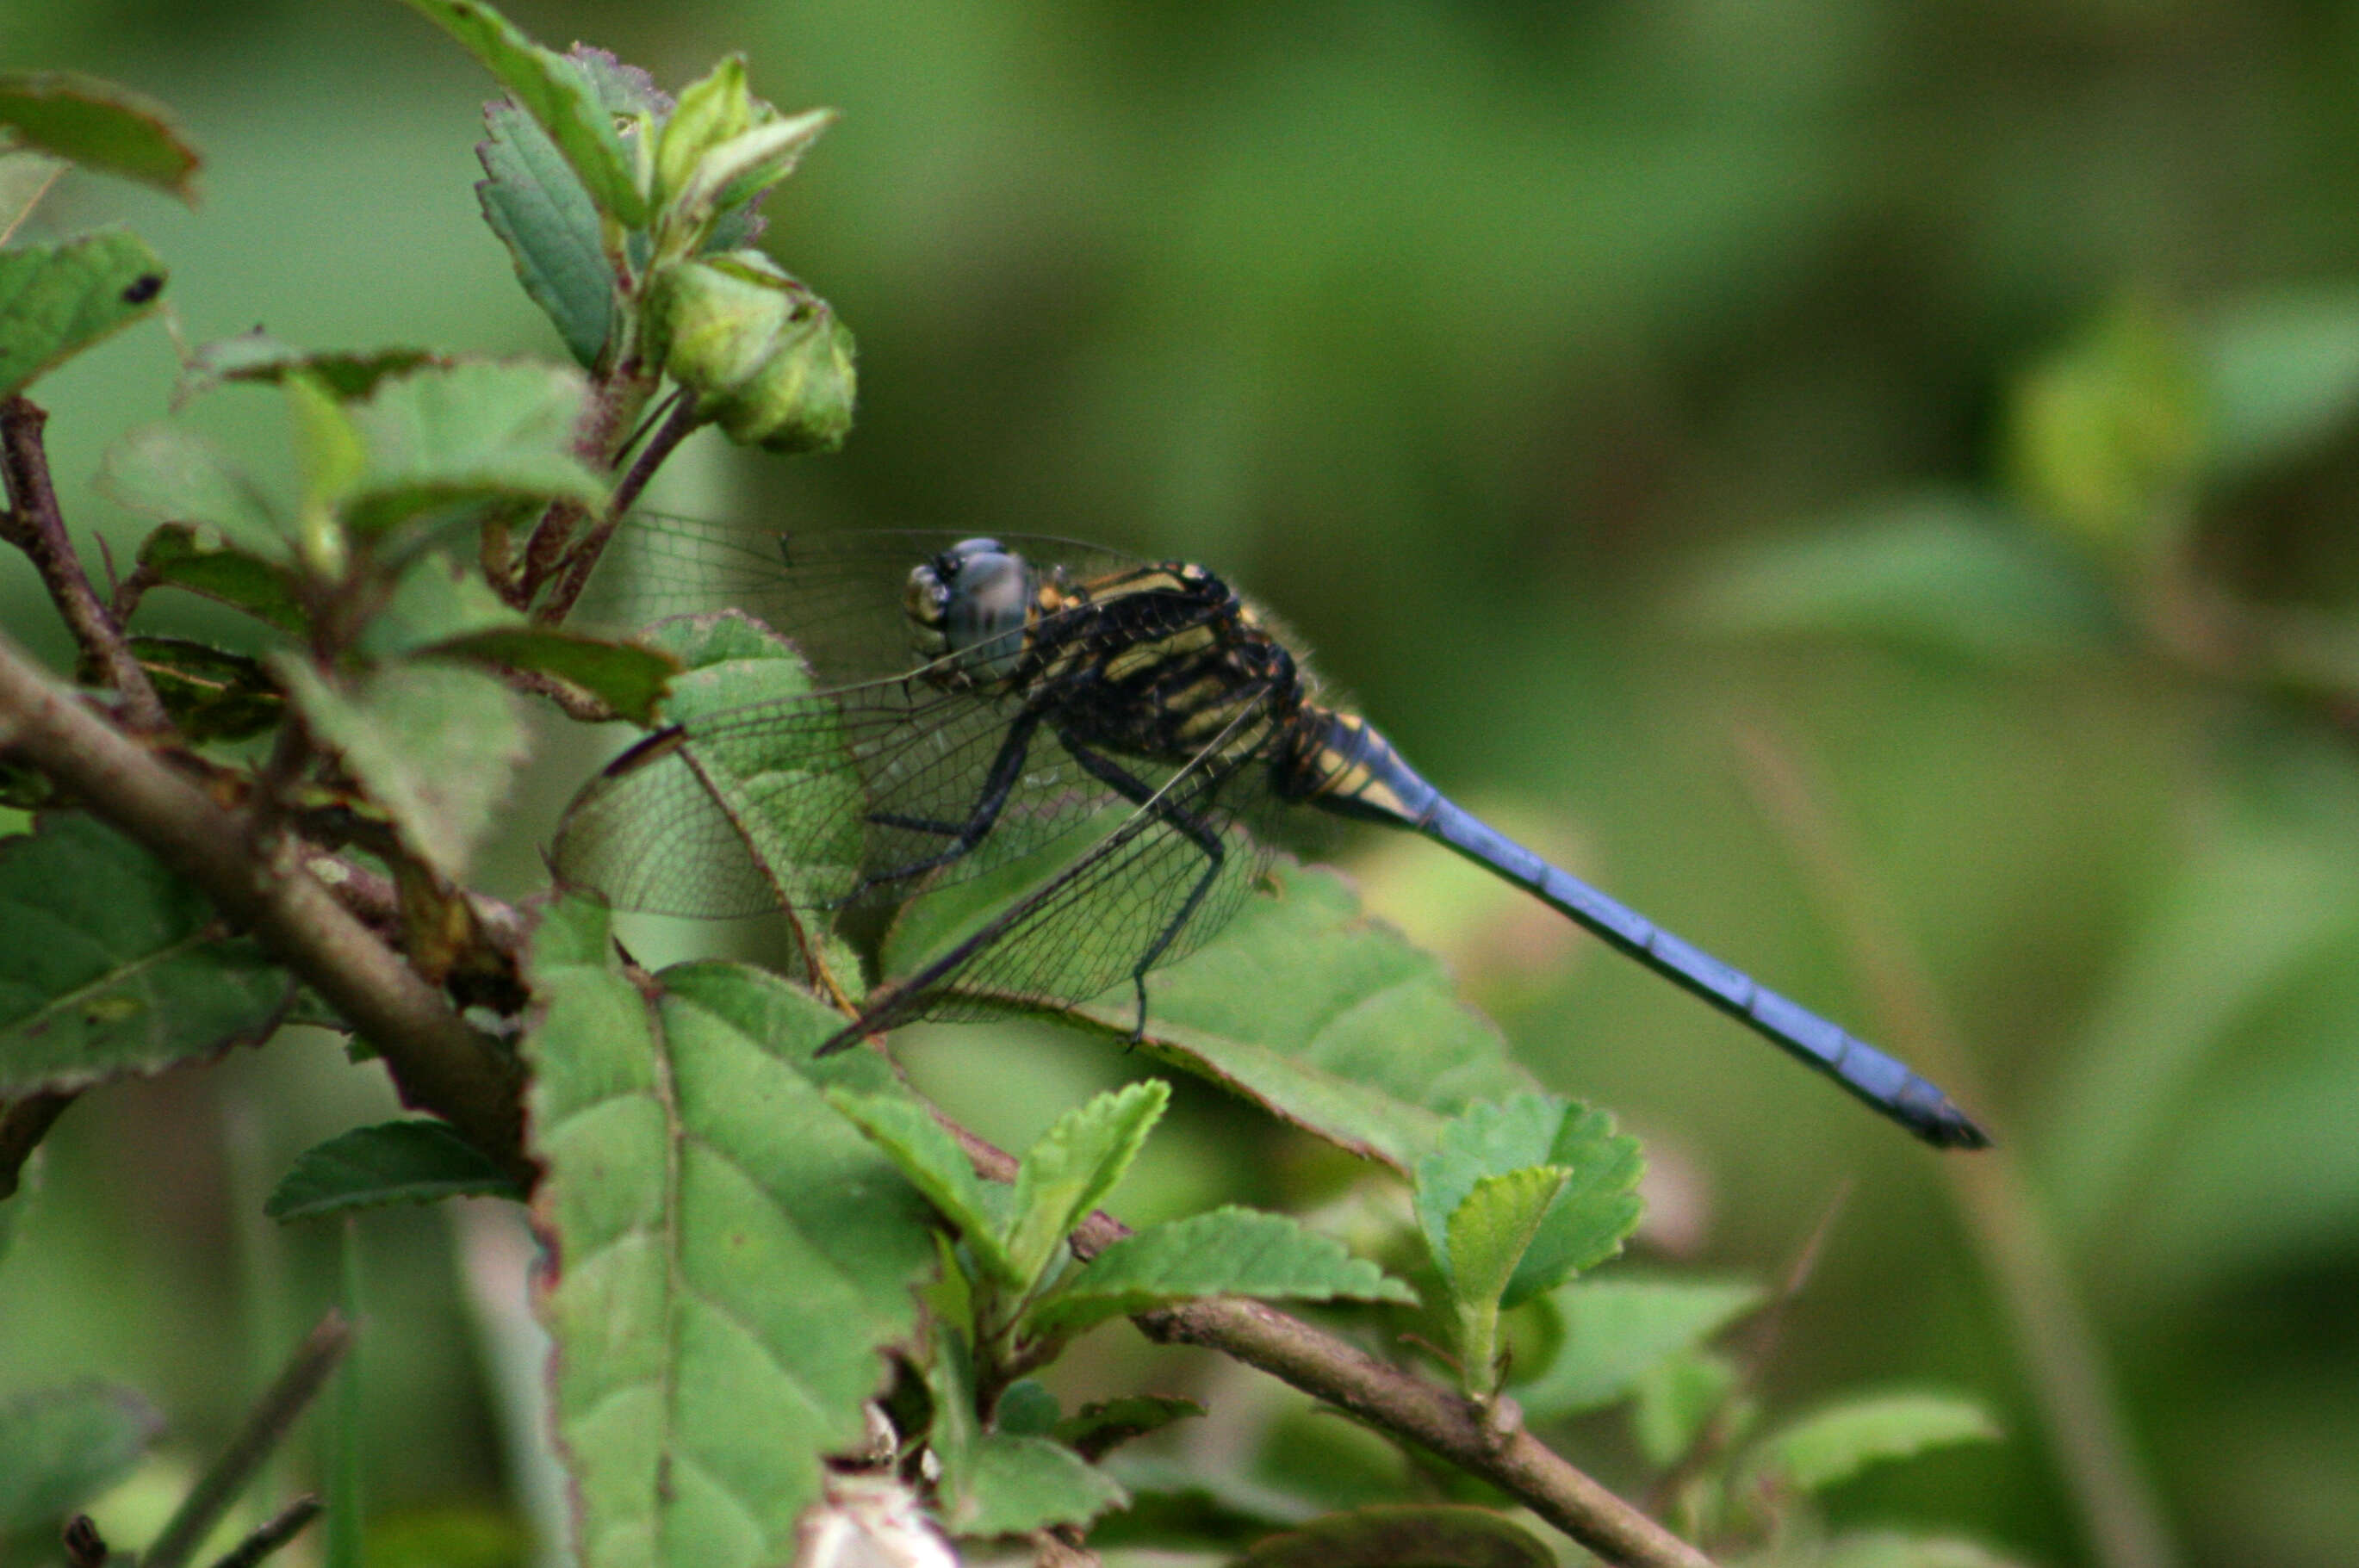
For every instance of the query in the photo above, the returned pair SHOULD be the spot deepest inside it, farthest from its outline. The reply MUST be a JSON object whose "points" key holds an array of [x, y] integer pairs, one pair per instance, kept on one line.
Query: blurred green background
{"points": [[1631, 404]]}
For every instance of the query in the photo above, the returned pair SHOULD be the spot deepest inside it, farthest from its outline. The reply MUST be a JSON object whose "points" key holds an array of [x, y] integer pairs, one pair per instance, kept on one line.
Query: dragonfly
{"points": [[1110, 737]]}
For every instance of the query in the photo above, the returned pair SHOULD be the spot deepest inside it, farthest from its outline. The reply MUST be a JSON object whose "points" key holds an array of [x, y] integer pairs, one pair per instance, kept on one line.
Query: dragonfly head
{"points": [[972, 599]]}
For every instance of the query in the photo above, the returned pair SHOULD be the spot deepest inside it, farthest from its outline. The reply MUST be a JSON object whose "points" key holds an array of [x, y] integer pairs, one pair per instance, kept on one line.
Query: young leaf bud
{"points": [[801, 400], [710, 110], [762, 354]]}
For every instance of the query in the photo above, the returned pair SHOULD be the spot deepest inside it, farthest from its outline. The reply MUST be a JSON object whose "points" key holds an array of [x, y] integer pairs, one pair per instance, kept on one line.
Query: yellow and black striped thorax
{"points": [[1158, 661]]}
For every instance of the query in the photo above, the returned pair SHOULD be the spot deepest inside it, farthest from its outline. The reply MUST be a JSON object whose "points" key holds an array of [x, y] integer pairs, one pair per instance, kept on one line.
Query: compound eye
{"points": [[955, 561], [926, 601], [989, 600]]}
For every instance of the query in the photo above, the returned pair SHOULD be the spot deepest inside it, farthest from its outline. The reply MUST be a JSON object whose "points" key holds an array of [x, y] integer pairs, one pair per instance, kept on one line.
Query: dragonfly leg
{"points": [[1188, 824], [1006, 768]]}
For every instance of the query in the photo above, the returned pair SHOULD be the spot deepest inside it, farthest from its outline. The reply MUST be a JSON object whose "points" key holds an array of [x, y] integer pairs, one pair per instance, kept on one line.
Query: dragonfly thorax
{"points": [[971, 602]]}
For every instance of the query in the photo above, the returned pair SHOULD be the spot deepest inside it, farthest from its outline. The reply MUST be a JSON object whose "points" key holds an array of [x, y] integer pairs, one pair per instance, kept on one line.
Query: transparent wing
{"points": [[867, 794], [836, 594], [1144, 885], [880, 790]]}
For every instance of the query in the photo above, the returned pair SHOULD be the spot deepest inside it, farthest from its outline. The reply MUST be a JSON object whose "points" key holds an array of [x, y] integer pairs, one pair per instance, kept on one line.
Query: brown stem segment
{"points": [[272, 1533], [267, 1425], [437, 1062], [611, 409], [583, 559], [1433, 1417], [34, 525]]}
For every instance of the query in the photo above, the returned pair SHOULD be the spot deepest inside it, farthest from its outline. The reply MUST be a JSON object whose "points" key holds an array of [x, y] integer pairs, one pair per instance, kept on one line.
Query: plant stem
{"points": [[1406, 1407], [607, 416], [33, 525], [272, 1533], [584, 556], [265, 1427], [437, 1062], [2062, 1358]]}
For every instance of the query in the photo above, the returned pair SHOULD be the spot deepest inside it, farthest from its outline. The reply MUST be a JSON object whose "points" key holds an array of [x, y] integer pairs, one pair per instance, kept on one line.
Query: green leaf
{"points": [[61, 1447], [101, 126], [1018, 1484], [331, 456], [1942, 575], [1892, 1549], [714, 107], [58, 300], [2104, 437], [257, 357], [677, 796], [434, 746], [2283, 372], [931, 1158], [478, 430], [1830, 1447], [738, 170], [1405, 1535], [2246, 905], [210, 694], [762, 1004], [1072, 1169], [167, 471], [434, 602], [1617, 1331], [2265, 1176], [1490, 1231], [541, 214], [113, 965], [559, 95], [201, 561], [1098, 1428], [1027, 1410], [1597, 1207], [394, 1161], [1674, 1402], [1488, 1235], [730, 1259], [625, 677], [1228, 1252], [1322, 1016]]}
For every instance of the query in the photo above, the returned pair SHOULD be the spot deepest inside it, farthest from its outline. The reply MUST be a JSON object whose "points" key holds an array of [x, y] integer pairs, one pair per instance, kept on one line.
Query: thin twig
{"points": [[1345, 1375], [272, 1533], [679, 418], [612, 406], [437, 1062], [24, 1122], [584, 556], [34, 525], [1721, 1427], [650, 419], [267, 1425], [48, 182], [2063, 1359]]}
